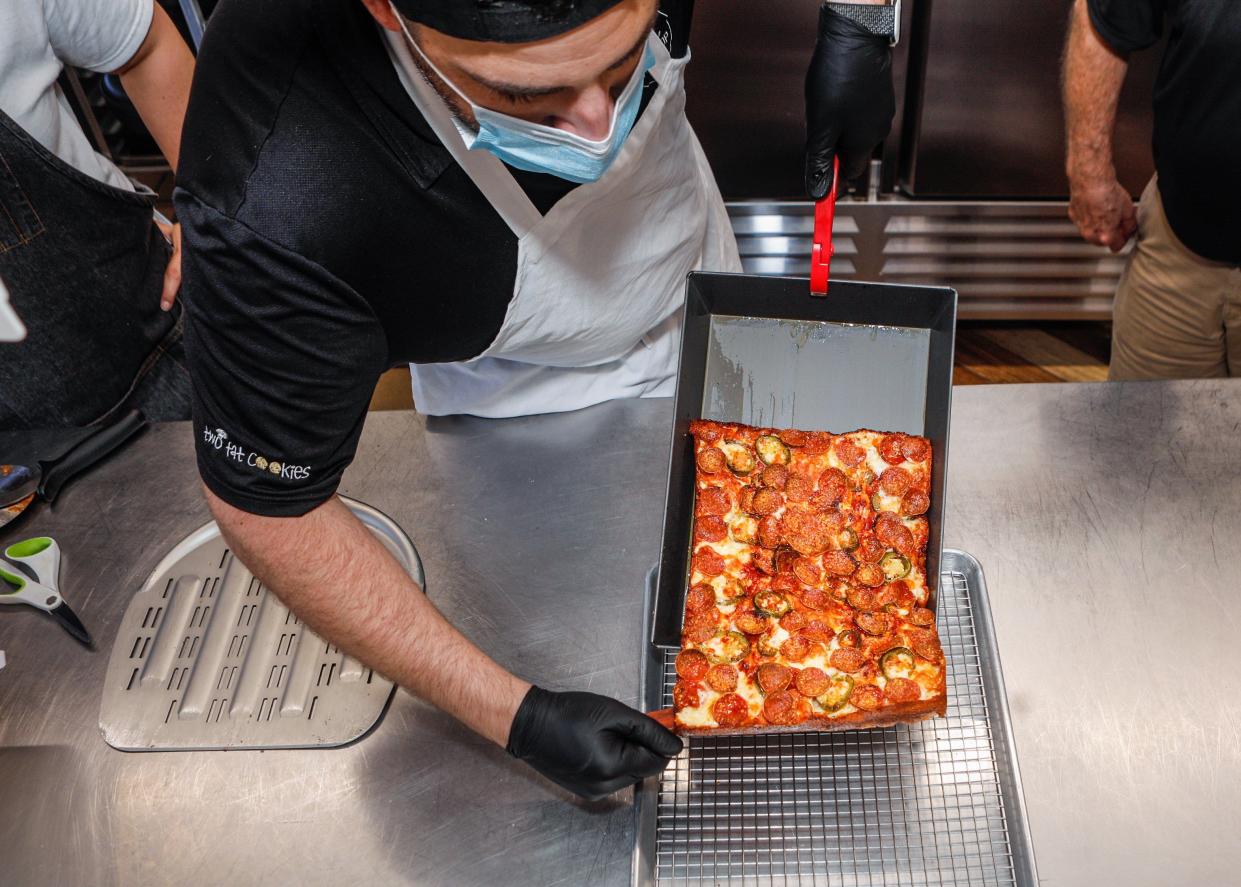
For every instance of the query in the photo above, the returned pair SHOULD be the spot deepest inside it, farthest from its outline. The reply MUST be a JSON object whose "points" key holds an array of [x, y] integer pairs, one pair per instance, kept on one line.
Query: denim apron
{"points": [[83, 263]]}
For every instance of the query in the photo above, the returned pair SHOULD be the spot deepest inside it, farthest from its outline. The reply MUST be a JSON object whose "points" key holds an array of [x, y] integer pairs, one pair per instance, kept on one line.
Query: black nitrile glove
{"points": [[589, 744], [850, 101]]}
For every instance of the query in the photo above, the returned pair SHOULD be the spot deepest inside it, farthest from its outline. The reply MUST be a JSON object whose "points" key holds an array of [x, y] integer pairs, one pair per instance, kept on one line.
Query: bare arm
{"points": [[385, 620], [1093, 74], [157, 80]]}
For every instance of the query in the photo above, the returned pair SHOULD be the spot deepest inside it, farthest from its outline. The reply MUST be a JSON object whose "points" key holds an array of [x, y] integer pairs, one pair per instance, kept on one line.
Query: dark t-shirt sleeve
{"points": [[283, 357], [1127, 25]]}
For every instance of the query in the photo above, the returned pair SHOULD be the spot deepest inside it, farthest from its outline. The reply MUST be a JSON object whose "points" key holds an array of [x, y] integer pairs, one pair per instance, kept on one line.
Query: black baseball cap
{"points": [[503, 21]]}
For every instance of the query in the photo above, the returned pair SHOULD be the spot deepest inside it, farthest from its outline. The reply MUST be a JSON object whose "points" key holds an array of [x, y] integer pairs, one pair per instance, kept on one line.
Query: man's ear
{"points": [[381, 11]]}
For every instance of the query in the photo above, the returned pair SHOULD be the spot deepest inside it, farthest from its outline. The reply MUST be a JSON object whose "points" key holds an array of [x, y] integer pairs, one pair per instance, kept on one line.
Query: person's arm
{"points": [[1093, 74], [157, 80]]}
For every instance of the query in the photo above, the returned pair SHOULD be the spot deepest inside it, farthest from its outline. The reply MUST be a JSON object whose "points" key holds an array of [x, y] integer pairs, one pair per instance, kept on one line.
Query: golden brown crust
{"points": [[888, 716]]}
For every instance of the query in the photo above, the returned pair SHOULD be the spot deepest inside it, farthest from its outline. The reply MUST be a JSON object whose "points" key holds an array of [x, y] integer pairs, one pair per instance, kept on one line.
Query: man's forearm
{"points": [[157, 80], [332, 572], [1093, 75]]}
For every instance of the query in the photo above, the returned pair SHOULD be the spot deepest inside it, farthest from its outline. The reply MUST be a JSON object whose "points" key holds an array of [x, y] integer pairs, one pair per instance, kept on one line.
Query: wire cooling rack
{"points": [[933, 803]]}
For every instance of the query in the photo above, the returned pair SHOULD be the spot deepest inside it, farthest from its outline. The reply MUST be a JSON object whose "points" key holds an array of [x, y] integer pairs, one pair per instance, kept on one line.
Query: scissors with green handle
{"points": [[30, 574]]}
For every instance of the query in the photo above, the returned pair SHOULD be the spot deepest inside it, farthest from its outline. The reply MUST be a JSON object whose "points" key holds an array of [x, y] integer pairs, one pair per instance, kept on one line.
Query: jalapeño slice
{"points": [[897, 663], [772, 450], [838, 693]]}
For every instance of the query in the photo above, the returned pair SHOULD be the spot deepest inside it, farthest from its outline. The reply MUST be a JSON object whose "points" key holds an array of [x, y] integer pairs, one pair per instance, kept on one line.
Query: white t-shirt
{"points": [[39, 37]]}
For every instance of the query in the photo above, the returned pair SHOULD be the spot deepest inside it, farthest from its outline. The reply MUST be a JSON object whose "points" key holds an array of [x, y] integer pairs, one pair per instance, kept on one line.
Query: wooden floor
{"points": [[987, 352], [1028, 352]]}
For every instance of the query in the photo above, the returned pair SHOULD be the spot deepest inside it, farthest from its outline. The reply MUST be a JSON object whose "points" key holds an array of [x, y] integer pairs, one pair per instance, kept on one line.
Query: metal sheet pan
{"points": [[934, 803], [763, 351]]}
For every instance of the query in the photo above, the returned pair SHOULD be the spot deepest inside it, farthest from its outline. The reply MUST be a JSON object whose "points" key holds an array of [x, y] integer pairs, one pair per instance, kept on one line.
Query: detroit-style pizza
{"points": [[807, 605]]}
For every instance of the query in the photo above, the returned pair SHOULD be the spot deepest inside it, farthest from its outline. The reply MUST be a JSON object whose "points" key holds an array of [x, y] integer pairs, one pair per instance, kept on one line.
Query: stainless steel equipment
{"points": [[207, 658], [763, 351], [978, 134], [933, 803]]}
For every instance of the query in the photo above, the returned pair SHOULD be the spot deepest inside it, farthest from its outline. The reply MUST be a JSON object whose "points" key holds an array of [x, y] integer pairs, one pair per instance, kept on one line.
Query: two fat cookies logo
{"points": [[217, 439]]}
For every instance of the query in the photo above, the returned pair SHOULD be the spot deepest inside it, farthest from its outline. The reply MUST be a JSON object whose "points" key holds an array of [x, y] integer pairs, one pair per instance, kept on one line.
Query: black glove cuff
{"points": [[527, 722], [877, 20]]}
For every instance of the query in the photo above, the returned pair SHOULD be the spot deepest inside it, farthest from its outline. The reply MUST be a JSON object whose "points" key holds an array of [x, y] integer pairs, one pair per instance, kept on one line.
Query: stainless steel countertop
{"points": [[1090, 507]]}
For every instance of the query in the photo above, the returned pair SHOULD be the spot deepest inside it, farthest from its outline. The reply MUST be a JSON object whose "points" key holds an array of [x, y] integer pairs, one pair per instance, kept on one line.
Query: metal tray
{"points": [[933, 803], [763, 351], [206, 658]]}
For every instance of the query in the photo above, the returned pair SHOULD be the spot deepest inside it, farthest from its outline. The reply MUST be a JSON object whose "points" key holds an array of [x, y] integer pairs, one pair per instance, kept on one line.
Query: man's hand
{"points": [[589, 744], [850, 100], [172, 273], [1093, 75], [1103, 212]]}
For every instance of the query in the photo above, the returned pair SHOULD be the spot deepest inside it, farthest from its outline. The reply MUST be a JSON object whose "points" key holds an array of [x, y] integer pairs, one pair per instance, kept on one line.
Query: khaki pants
{"points": [[1177, 315]]}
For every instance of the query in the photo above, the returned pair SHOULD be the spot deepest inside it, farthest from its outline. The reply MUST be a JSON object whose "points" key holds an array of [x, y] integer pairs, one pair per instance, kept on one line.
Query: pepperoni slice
{"points": [[916, 449], [890, 449], [713, 500], [730, 710], [927, 646], [692, 665], [817, 628], [847, 659], [832, 486], [902, 690], [867, 697], [896, 593], [722, 678], [773, 676], [869, 550], [793, 437], [700, 597], [904, 542], [915, 502], [763, 560], [815, 598], [783, 708], [710, 528], [765, 502], [793, 620], [752, 623], [812, 682], [769, 534], [798, 488], [705, 431], [895, 481], [685, 695], [808, 534], [921, 616], [839, 563], [707, 616], [711, 461], [745, 499], [796, 648], [774, 476], [708, 561], [869, 574], [874, 623], [816, 443], [848, 452], [698, 633], [886, 524], [807, 571], [860, 598]]}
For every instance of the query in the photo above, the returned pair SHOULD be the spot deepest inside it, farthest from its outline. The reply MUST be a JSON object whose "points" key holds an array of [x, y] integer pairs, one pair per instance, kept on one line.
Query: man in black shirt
{"points": [[1178, 307], [506, 195]]}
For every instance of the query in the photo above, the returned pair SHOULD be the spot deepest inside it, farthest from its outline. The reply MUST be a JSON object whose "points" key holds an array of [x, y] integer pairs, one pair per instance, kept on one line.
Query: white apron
{"points": [[596, 307]]}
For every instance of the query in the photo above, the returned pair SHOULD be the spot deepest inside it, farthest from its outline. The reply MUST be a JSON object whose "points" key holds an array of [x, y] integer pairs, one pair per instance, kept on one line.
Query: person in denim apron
{"points": [[82, 259]]}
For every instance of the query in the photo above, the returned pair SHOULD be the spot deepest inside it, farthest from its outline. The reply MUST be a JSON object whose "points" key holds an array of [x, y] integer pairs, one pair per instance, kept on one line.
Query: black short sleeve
{"points": [[1127, 25], [283, 358]]}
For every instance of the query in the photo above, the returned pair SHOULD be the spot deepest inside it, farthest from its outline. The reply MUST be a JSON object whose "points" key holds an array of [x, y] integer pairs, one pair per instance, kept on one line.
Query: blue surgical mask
{"points": [[546, 149]]}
